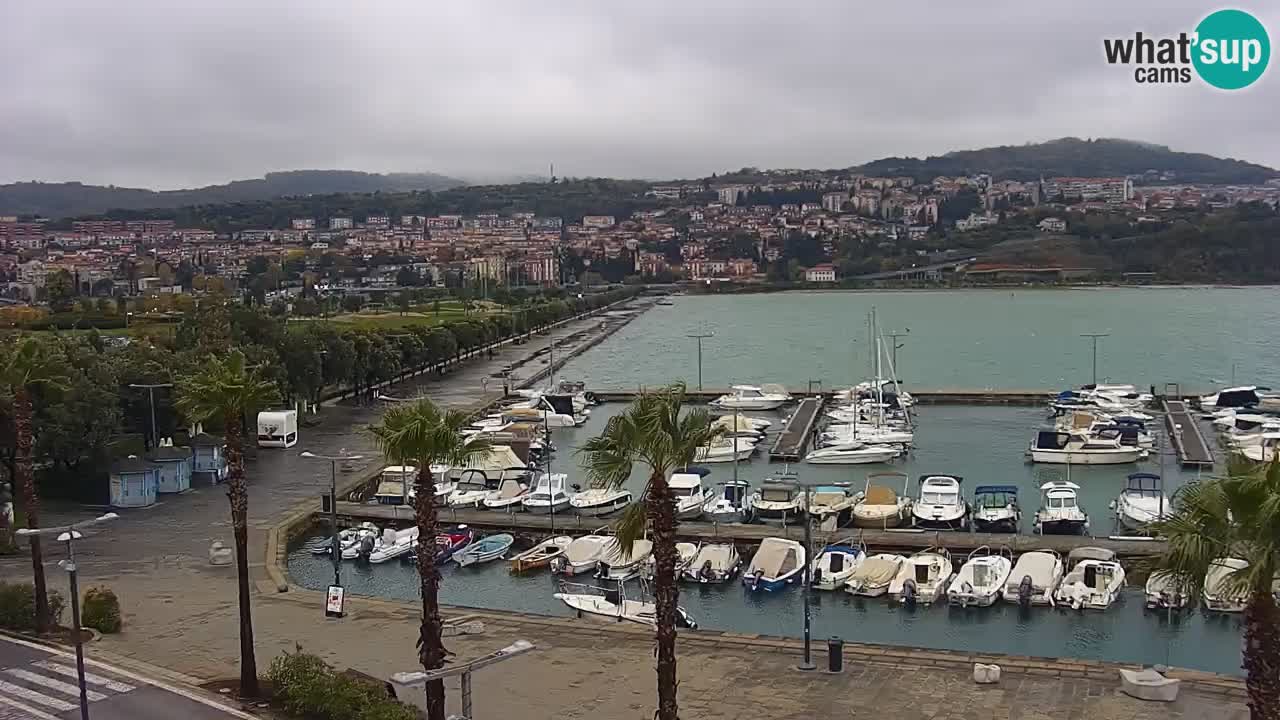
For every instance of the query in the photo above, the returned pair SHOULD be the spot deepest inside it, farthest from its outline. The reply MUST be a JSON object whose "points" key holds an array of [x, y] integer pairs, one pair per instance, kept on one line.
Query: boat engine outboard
{"points": [[1025, 590], [602, 569], [909, 592], [559, 565], [366, 548], [755, 581], [706, 573], [816, 576], [683, 620]]}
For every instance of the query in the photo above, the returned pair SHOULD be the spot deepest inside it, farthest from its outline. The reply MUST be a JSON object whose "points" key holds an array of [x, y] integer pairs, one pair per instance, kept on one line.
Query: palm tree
{"points": [[652, 432], [226, 389], [421, 432], [1237, 516], [28, 367]]}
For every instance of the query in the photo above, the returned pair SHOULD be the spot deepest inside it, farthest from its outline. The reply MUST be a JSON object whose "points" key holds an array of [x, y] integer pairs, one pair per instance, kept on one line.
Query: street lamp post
{"points": [[1094, 337], [69, 534], [699, 337], [151, 400], [789, 479], [336, 548], [895, 347]]}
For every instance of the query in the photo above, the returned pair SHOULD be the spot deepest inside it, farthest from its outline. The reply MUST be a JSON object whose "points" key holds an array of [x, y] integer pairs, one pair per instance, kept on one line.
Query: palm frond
{"points": [[630, 526]]}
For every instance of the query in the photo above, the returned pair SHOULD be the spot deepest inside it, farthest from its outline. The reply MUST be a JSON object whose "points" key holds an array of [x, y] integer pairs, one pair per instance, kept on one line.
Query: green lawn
{"points": [[390, 318]]}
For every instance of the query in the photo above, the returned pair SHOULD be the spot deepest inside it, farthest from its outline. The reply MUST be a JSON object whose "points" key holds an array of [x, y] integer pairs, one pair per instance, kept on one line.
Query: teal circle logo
{"points": [[1231, 49]]}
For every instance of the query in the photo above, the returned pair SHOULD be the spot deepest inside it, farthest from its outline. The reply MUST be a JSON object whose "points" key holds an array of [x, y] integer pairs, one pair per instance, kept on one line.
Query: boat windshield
{"points": [[984, 575], [938, 498], [1062, 502], [775, 495], [996, 500], [686, 492]]}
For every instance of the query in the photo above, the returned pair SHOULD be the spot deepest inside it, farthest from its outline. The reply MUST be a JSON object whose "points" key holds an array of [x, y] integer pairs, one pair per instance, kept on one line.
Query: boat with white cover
{"points": [[831, 506], [873, 575], [714, 563], [995, 509], [1094, 581], [753, 397], [735, 425], [725, 450], [685, 553], [1034, 578], [1079, 448], [1265, 449], [777, 503], [619, 563], [687, 493], [923, 578], [508, 497], [777, 563], [612, 603], [940, 504], [1164, 591], [880, 506], [982, 578], [548, 495], [542, 554], [833, 566], [595, 502], [1216, 596], [729, 503], [582, 555], [394, 544], [1060, 512], [1141, 503]]}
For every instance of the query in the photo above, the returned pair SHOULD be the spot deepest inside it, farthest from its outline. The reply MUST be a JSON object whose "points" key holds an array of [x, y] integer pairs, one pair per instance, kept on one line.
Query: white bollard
{"points": [[985, 674]]}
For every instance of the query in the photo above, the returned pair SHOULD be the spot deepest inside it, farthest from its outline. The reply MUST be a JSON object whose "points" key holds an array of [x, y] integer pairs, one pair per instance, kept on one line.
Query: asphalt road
{"points": [[39, 683]]}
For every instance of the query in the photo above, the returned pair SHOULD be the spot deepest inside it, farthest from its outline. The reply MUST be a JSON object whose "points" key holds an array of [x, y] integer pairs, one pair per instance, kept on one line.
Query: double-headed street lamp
{"points": [[151, 399], [69, 534], [336, 548]]}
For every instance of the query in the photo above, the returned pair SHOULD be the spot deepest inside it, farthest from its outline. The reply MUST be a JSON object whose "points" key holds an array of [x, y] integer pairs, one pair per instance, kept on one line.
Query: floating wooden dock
{"points": [[1184, 432], [923, 397], [791, 443], [535, 527]]}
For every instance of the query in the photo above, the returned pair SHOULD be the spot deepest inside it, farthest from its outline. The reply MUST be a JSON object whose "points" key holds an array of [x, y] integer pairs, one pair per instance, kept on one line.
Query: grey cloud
{"points": [[145, 92]]}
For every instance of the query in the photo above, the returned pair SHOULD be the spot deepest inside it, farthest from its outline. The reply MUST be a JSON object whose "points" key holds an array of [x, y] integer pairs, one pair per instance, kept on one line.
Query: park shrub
{"points": [[101, 611], [308, 687], [18, 606]]}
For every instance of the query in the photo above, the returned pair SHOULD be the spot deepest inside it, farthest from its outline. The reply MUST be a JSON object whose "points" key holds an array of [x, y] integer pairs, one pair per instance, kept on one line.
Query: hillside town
{"points": [[791, 226]]}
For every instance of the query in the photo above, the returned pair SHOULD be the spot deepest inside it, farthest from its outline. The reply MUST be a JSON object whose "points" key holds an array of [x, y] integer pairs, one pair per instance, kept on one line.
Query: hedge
{"points": [[308, 687], [101, 611], [18, 606]]}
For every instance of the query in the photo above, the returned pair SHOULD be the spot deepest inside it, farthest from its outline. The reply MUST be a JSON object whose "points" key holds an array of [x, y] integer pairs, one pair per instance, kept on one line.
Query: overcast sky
{"points": [[166, 94]]}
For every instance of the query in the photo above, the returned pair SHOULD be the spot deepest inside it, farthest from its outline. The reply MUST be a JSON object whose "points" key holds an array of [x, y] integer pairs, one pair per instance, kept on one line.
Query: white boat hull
{"points": [[1093, 457], [602, 508], [850, 457], [545, 509]]}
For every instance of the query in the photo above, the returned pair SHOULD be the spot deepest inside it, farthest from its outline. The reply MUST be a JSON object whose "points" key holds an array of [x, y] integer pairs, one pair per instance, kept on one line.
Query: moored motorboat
{"points": [[777, 563], [880, 506], [852, 453], [874, 574], [612, 603], [685, 553], [1079, 448], [582, 555], [484, 550], [982, 578], [1141, 503], [834, 564], [1034, 578], [1094, 581], [1217, 596], [777, 503], [687, 492], [1164, 591], [923, 578], [541, 555], [450, 541], [714, 563], [548, 495], [596, 502], [620, 563], [831, 506], [508, 497], [349, 540], [940, 504], [725, 450], [1060, 512], [393, 544], [729, 503], [995, 509], [752, 397]]}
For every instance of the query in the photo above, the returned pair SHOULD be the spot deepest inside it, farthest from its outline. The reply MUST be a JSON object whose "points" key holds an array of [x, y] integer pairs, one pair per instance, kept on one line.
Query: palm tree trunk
{"points": [[1262, 656], [238, 494], [666, 594], [431, 650], [26, 478]]}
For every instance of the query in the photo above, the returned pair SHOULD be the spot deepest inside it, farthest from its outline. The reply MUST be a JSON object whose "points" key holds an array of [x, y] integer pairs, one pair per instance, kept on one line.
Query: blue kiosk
{"points": [[209, 463], [134, 483], [174, 465]]}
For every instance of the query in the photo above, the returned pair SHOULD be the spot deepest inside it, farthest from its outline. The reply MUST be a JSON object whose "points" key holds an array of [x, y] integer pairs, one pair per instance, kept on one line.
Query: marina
{"points": [[792, 442], [1185, 435]]}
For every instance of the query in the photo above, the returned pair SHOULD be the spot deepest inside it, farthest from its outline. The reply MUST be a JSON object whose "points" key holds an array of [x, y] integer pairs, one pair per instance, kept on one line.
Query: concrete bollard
{"points": [[985, 674]]}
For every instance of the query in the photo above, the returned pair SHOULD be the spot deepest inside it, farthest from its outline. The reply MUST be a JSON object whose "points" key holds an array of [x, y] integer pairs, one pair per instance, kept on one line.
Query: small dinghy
{"points": [[614, 604], [394, 544], [484, 550], [1165, 592], [715, 563], [834, 565], [540, 555], [873, 575], [1034, 578], [349, 541], [982, 578], [924, 577], [1093, 582], [778, 563], [582, 555], [620, 564]]}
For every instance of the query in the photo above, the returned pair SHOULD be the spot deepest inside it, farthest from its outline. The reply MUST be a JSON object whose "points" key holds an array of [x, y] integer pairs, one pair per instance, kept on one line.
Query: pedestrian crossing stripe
{"points": [[17, 691], [58, 685], [25, 712], [89, 677]]}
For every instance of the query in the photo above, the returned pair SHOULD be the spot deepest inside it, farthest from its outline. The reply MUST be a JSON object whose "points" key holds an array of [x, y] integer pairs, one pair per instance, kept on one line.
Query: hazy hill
{"points": [[1075, 157], [56, 200]]}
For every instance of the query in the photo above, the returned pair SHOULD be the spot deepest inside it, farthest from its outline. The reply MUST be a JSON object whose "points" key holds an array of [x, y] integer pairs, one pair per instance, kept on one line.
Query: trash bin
{"points": [[835, 654]]}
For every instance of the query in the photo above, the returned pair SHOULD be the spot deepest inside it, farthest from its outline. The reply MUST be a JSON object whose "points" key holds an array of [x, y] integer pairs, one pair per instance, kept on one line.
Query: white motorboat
{"points": [[780, 503], [852, 453], [614, 604], [739, 426], [1164, 591], [870, 435], [1244, 396], [470, 492], [1141, 503], [831, 506], [752, 397], [443, 483], [714, 563], [923, 578], [1060, 512], [619, 563], [595, 502], [1094, 581], [349, 541], [834, 565], [725, 450], [940, 505], [395, 484], [1265, 449], [686, 491], [982, 578], [582, 555], [777, 563], [995, 509], [394, 544], [874, 574], [1078, 448], [508, 497], [729, 504], [1034, 578], [880, 506], [542, 554], [548, 495], [685, 553], [1216, 596]]}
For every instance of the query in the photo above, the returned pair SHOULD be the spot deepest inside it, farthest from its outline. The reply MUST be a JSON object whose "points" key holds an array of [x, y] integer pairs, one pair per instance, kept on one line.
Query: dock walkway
{"points": [[792, 442], [1184, 432], [904, 540]]}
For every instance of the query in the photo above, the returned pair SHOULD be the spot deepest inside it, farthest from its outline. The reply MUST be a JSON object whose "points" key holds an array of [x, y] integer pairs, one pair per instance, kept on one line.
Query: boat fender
{"points": [[1025, 589], [909, 592]]}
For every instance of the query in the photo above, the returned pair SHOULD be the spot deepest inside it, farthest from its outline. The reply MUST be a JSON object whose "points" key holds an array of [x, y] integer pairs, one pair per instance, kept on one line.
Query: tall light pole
{"points": [[69, 534], [699, 337], [151, 399], [1094, 337], [336, 548], [895, 346]]}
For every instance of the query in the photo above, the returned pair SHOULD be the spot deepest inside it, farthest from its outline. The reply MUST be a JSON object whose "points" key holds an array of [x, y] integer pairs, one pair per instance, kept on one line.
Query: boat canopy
{"points": [[498, 459], [777, 494], [684, 481], [876, 570], [1144, 484], [1238, 397], [1052, 439], [880, 495], [776, 557], [934, 479], [1090, 553], [774, 389], [995, 496]]}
